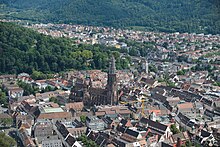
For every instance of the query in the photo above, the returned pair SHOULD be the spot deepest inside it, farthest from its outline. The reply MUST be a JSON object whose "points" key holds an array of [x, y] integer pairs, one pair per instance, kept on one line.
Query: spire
{"points": [[112, 67]]}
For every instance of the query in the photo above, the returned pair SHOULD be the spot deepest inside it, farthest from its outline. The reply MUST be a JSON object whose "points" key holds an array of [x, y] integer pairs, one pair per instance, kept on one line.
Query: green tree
{"points": [[217, 84], [174, 129], [181, 72], [83, 118], [3, 99], [153, 68], [53, 99], [86, 54], [6, 121], [188, 143], [87, 142], [28, 89], [6, 141]]}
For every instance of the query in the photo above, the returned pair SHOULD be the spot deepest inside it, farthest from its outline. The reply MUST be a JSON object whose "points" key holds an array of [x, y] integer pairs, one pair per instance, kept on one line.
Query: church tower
{"points": [[112, 95]]}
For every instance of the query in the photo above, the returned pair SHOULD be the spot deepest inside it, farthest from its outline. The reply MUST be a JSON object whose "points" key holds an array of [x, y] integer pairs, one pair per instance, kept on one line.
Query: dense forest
{"points": [[200, 16], [24, 50]]}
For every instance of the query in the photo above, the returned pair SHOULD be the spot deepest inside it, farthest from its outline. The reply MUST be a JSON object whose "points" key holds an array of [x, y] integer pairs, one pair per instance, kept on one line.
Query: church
{"points": [[90, 96]]}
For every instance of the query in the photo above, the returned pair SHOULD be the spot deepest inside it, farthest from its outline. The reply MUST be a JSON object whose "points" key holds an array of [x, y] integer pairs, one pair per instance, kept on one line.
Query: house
{"points": [[156, 127], [185, 122], [54, 116], [109, 123], [77, 132], [131, 135], [95, 123], [15, 92], [158, 90], [52, 141], [5, 78], [66, 137], [149, 83], [126, 123], [25, 138], [216, 104], [30, 98], [25, 125], [76, 106], [151, 139], [186, 108], [173, 101], [100, 138], [40, 84], [122, 143], [182, 136], [25, 79], [213, 115], [205, 137], [22, 117], [32, 110], [113, 112], [43, 130]]}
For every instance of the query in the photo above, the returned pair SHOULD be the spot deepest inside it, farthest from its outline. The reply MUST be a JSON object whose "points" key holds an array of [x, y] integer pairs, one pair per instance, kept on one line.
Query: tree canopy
{"points": [[6, 141], [24, 50], [200, 16]]}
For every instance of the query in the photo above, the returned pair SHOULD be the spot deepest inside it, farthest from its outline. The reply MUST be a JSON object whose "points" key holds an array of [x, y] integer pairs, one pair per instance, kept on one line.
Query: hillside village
{"points": [[170, 97]]}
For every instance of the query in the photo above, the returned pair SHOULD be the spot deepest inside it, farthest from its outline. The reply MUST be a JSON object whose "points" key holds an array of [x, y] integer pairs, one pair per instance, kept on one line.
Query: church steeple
{"points": [[112, 95], [112, 67]]}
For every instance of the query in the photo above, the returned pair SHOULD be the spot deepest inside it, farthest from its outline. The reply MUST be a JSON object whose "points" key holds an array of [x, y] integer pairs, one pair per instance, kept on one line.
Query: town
{"points": [[170, 95]]}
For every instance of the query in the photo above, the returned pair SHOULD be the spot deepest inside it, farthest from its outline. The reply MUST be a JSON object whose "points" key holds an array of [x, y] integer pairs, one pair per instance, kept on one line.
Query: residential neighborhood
{"points": [[168, 98]]}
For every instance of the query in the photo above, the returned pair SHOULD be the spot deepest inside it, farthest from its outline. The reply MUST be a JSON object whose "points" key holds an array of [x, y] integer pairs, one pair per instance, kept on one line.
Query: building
{"points": [[144, 66], [54, 116], [90, 95], [95, 123], [43, 129], [112, 84], [52, 142], [156, 127], [185, 108]]}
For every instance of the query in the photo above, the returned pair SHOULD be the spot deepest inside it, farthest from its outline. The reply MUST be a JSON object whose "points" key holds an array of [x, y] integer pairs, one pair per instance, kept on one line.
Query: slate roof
{"points": [[205, 133], [102, 139], [168, 106], [185, 95], [158, 90], [70, 140], [35, 111], [211, 114], [77, 123], [107, 120], [26, 106], [132, 133], [121, 129], [154, 124], [62, 129], [207, 101], [159, 98], [147, 81], [123, 122], [185, 120]]}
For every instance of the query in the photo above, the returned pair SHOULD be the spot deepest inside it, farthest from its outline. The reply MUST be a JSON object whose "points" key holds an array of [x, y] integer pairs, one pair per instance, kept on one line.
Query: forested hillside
{"points": [[201, 16], [24, 50]]}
